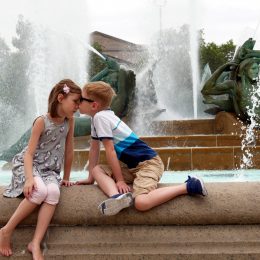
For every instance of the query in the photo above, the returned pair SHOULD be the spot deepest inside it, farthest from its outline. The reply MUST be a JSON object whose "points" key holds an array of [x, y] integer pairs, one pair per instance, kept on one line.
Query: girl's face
{"points": [[69, 105], [253, 71]]}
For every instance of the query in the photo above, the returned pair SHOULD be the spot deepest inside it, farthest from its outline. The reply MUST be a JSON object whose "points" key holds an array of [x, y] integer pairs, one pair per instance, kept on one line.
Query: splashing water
{"points": [[249, 140], [95, 51]]}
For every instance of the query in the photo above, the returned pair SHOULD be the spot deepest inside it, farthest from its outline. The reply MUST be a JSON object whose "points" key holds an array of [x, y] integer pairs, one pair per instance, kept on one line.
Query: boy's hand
{"points": [[67, 183], [85, 182], [122, 187], [28, 188]]}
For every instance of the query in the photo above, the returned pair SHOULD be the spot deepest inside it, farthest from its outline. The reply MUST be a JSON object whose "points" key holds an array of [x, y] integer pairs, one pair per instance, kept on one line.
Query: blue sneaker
{"points": [[112, 205], [195, 186]]}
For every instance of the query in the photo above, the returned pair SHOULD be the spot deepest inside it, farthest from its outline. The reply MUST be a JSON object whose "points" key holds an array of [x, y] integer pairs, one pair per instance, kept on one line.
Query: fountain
{"points": [[238, 82], [185, 144]]}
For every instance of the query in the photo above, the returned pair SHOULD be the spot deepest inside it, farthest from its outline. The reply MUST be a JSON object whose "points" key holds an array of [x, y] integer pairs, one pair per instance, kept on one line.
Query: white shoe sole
{"points": [[112, 206], [204, 190]]}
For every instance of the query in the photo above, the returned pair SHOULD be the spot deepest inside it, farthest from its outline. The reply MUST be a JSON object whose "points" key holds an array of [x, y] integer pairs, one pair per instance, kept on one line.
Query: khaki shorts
{"points": [[144, 177]]}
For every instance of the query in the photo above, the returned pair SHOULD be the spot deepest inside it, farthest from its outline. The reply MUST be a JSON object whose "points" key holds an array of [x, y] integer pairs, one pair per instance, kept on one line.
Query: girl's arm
{"points": [[69, 151], [115, 166], [37, 129], [93, 161]]}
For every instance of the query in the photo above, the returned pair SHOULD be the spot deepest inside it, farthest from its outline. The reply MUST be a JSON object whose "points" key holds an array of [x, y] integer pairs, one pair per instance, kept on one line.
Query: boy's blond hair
{"points": [[100, 91]]}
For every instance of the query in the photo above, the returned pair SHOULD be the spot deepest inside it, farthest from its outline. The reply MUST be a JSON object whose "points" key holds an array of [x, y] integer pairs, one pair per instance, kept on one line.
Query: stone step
{"points": [[223, 225], [144, 242], [183, 127], [189, 158], [223, 123], [178, 141]]}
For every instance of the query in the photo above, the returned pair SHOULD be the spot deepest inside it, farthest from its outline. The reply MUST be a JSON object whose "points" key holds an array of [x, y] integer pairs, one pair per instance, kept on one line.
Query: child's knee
{"points": [[38, 195], [97, 170], [141, 203], [53, 194]]}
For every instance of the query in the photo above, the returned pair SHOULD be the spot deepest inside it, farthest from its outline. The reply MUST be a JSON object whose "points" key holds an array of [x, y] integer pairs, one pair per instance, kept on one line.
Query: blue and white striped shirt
{"points": [[129, 148]]}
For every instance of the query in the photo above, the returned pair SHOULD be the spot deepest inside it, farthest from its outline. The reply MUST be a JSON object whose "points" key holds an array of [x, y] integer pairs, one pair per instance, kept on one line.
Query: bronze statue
{"points": [[237, 80], [123, 82]]}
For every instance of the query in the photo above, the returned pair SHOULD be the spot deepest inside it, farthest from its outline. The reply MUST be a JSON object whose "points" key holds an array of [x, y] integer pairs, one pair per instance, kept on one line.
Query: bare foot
{"points": [[5, 243], [36, 251]]}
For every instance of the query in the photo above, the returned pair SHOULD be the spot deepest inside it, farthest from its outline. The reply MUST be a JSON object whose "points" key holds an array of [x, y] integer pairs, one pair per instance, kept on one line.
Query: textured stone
{"points": [[227, 203]]}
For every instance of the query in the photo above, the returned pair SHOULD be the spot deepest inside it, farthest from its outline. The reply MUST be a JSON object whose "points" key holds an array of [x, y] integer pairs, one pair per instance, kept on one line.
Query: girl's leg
{"points": [[44, 218], [159, 196], [105, 182], [24, 209], [45, 215]]}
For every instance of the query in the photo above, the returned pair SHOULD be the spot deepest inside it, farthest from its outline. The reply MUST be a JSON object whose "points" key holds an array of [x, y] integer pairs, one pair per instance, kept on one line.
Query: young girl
{"points": [[36, 170]]}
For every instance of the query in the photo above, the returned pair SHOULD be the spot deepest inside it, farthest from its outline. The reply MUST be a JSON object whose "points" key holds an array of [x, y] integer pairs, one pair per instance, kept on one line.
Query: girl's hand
{"points": [[85, 182], [122, 187], [29, 186], [67, 183]]}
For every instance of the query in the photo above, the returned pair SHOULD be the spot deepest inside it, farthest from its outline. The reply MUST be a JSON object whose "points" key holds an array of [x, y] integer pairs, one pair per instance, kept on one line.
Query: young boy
{"points": [[139, 164]]}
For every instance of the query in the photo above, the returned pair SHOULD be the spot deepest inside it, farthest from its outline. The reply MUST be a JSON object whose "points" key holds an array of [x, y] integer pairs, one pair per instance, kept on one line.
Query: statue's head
{"points": [[250, 68], [112, 64], [249, 44]]}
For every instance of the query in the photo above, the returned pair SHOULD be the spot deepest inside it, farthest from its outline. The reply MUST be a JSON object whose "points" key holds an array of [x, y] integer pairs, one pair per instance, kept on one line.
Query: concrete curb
{"points": [[227, 203]]}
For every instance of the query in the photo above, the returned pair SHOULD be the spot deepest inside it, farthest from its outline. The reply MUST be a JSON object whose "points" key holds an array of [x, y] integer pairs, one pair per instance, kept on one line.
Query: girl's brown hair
{"points": [[64, 87], [100, 91]]}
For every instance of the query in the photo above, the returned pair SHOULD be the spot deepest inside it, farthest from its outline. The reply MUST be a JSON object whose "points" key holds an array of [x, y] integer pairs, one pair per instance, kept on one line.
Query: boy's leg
{"points": [[193, 186], [117, 201], [105, 182], [159, 196], [146, 193]]}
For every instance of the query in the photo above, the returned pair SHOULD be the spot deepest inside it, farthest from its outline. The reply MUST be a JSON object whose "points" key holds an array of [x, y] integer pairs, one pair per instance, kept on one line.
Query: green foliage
{"points": [[96, 64], [215, 55]]}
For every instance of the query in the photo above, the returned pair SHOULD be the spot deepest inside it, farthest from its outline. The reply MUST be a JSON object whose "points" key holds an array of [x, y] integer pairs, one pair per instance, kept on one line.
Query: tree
{"points": [[96, 64], [215, 55]]}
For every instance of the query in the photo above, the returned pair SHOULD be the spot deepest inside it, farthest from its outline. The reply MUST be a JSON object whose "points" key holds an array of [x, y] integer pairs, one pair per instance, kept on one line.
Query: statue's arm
{"points": [[252, 54], [211, 87], [111, 65], [100, 75]]}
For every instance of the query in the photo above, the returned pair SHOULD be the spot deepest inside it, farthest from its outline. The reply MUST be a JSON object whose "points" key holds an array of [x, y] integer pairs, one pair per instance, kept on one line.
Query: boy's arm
{"points": [[115, 166], [93, 161], [69, 152], [93, 157]]}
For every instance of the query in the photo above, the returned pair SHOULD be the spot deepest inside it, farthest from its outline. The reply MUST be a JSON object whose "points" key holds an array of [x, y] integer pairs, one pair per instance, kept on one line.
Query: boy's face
{"points": [[87, 105]]}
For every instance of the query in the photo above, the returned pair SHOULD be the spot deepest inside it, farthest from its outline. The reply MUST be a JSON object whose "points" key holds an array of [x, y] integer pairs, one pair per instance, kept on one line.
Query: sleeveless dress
{"points": [[47, 160]]}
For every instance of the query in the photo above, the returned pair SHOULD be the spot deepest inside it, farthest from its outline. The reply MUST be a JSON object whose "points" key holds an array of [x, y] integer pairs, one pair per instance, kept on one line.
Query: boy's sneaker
{"points": [[196, 186], [112, 206]]}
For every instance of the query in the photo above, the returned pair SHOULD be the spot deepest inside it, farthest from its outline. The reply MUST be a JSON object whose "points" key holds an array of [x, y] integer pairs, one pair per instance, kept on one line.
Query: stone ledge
{"points": [[227, 203], [188, 158], [144, 242]]}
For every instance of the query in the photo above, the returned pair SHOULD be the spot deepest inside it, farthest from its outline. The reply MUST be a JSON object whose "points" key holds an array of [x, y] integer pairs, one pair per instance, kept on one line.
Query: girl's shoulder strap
{"points": [[44, 117]]}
